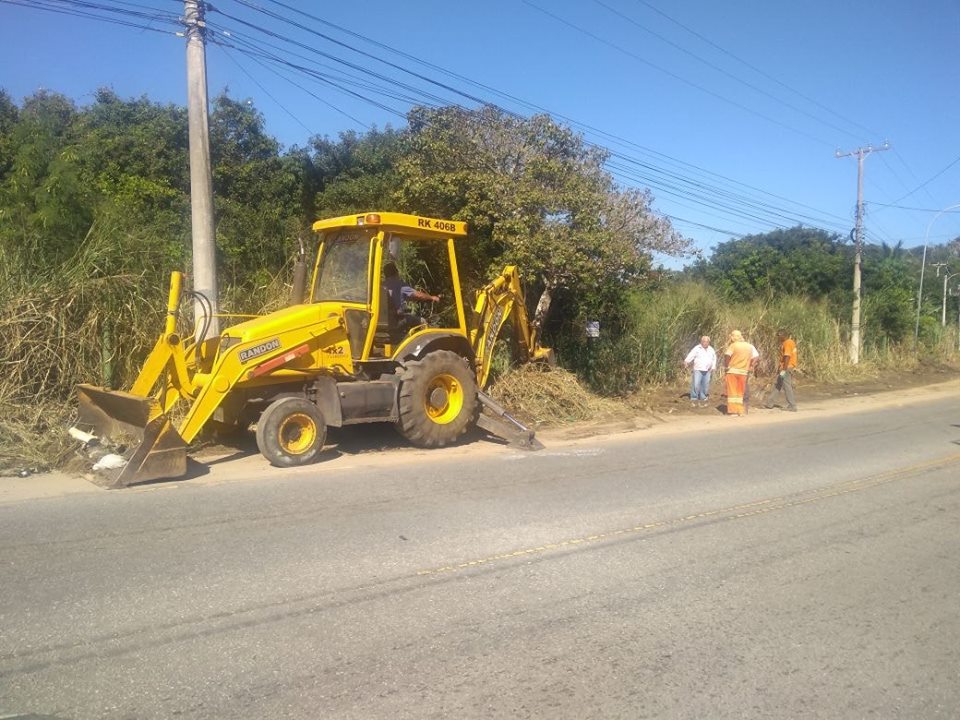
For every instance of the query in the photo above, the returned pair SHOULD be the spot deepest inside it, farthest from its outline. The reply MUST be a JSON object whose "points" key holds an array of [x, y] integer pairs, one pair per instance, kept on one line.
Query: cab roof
{"points": [[397, 222]]}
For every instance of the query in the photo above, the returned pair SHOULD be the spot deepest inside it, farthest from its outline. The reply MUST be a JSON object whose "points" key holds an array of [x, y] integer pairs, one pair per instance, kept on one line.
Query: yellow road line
{"points": [[733, 512]]}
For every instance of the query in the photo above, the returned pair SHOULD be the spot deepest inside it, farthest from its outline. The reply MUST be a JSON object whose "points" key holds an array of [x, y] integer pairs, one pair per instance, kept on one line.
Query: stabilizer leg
{"points": [[497, 421]]}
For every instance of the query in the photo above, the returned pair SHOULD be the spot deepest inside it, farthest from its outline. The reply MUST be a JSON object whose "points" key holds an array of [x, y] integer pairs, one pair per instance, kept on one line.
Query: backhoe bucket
{"points": [[154, 449], [497, 421]]}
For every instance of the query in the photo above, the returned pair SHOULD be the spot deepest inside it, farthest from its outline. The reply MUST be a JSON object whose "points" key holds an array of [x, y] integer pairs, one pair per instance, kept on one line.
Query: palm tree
{"points": [[893, 252]]}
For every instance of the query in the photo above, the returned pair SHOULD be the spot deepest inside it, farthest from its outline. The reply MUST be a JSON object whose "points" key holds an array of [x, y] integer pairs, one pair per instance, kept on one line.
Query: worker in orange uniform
{"points": [[739, 359], [788, 362]]}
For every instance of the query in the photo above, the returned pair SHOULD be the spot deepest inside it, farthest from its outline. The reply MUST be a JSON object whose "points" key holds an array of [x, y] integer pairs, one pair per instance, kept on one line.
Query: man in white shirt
{"points": [[703, 359]]}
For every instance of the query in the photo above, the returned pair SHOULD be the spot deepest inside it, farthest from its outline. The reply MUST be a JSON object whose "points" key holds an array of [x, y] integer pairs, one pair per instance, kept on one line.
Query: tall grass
{"points": [[54, 334], [86, 322], [81, 323], [660, 327]]}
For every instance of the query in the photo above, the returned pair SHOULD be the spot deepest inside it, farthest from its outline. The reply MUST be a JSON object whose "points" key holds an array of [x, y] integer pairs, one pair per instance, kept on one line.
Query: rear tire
{"points": [[438, 399], [291, 432]]}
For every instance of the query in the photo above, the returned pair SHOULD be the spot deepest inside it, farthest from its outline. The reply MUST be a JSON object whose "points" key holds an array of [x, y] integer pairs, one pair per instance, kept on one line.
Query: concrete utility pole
{"points": [[201, 178], [958, 318], [946, 277], [861, 153], [923, 265]]}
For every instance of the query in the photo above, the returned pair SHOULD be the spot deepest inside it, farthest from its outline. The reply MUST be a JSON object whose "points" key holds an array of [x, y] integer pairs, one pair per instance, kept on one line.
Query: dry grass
{"points": [[54, 335], [33, 436], [59, 331], [80, 323], [543, 396]]}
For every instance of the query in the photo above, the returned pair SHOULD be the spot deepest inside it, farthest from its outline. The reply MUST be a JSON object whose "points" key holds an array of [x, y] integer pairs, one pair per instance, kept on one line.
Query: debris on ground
{"points": [[545, 396]]}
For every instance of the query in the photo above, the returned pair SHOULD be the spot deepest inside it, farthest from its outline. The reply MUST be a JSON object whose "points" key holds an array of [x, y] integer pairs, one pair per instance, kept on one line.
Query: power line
{"points": [[756, 69], [926, 182], [912, 174], [672, 74], [381, 46], [318, 76], [613, 153], [311, 49], [81, 10], [266, 92], [276, 71], [328, 38], [712, 192], [746, 208], [699, 188], [707, 195], [720, 70], [915, 209], [684, 221]]}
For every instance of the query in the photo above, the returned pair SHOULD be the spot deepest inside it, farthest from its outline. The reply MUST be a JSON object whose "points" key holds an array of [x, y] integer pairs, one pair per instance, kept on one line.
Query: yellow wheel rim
{"points": [[297, 433], [443, 399]]}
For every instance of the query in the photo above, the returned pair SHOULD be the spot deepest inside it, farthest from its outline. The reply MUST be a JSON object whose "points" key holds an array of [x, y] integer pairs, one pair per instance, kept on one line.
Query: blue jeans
{"points": [[700, 385]]}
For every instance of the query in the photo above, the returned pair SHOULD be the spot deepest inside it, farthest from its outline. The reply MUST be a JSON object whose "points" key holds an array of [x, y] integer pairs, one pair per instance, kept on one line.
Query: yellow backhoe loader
{"points": [[342, 355]]}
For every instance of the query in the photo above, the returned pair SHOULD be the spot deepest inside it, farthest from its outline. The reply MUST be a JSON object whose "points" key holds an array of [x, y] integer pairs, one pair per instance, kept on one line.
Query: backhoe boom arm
{"points": [[495, 303]]}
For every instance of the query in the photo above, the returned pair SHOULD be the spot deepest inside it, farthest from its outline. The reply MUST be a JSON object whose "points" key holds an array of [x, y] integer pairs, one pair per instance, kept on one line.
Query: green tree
{"points": [[257, 194], [44, 205], [795, 261], [890, 279], [357, 173], [9, 114], [535, 194], [134, 156]]}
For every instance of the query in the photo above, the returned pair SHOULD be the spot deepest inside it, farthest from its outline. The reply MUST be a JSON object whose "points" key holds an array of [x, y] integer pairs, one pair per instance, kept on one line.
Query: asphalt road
{"points": [[801, 566]]}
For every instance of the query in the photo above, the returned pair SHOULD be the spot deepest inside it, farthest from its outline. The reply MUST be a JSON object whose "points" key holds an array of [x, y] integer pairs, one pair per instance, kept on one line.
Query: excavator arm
{"points": [[495, 304]]}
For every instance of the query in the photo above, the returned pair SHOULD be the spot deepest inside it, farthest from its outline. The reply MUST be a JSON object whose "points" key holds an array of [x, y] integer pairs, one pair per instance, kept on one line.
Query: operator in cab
{"points": [[398, 292]]}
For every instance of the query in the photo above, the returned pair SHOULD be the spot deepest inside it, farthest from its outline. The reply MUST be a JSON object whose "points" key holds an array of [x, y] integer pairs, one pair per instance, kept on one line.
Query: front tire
{"points": [[291, 432], [438, 399]]}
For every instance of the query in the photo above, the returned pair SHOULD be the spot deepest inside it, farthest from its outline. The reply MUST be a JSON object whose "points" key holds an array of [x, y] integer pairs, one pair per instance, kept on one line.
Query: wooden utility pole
{"points": [[201, 178], [861, 153]]}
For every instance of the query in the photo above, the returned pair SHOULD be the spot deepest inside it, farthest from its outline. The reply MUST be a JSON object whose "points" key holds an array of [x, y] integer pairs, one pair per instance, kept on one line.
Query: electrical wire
{"points": [[206, 307], [313, 50], [679, 186], [720, 70], [382, 46], [915, 209], [630, 159], [674, 75], [77, 9], [320, 77], [259, 49], [755, 69], [266, 92], [740, 80], [926, 182], [339, 43]]}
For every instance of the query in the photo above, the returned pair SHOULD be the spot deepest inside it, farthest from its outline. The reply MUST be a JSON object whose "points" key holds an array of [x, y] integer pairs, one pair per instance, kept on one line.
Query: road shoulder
{"points": [[225, 468]]}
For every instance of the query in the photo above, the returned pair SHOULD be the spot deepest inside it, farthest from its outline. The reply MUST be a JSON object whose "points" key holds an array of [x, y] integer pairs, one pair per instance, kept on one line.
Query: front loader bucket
{"points": [[154, 447]]}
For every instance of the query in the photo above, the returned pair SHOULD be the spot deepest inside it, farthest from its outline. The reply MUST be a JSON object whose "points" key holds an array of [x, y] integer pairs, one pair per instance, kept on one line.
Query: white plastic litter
{"points": [[84, 437], [110, 461]]}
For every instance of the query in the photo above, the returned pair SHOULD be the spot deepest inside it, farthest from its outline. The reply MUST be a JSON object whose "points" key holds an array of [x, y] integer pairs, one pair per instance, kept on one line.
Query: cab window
{"points": [[343, 268]]}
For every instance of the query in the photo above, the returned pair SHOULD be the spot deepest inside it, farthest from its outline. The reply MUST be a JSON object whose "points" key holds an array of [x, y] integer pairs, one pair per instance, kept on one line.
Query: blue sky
{"points": [[729, 112]]}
